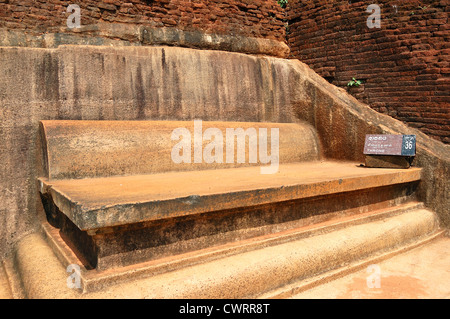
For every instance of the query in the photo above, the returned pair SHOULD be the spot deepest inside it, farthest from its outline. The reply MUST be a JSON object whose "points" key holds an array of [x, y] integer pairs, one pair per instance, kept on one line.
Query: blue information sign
{"points": [[409, 145]]}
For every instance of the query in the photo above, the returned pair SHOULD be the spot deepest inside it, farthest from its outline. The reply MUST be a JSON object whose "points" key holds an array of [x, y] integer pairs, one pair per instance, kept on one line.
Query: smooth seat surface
{"points": [[94, 203]]}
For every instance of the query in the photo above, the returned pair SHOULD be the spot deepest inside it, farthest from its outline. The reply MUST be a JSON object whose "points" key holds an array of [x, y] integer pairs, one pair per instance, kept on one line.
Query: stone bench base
{"points": [[117, 221]]}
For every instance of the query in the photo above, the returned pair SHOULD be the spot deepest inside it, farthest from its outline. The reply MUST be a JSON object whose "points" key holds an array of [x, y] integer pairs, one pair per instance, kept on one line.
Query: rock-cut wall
{"points": [[170, 83], [120, 83]]}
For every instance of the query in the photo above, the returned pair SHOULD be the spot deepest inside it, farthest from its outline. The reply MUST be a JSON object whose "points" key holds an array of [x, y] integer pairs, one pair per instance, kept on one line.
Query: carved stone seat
{"points": [[118, 198]]}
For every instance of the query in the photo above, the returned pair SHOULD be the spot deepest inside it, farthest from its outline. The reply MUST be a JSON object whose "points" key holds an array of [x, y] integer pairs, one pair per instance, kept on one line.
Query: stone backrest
{"points": [[86, 149]]}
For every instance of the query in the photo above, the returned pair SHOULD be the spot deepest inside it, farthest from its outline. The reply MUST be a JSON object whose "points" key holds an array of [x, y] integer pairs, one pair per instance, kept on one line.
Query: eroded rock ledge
{"points": [[117, 34]]}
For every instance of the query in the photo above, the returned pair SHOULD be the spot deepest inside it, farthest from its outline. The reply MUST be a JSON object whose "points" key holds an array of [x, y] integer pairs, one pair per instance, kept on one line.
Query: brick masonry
{"points": [[404, 64], [260, 18]]}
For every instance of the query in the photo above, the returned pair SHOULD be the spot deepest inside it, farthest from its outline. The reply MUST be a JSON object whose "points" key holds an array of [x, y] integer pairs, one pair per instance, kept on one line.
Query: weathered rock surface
{"points": [[169, 83]]}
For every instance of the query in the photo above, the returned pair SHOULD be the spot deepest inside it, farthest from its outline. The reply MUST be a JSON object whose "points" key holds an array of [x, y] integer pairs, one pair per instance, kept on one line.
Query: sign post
{"points": [[389, 151]]}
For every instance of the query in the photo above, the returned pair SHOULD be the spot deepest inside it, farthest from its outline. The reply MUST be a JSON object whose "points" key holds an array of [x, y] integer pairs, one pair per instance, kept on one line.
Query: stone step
{"points": [[419, 273], [5, 289], [96, 280], [118, 221], [249, 269]]}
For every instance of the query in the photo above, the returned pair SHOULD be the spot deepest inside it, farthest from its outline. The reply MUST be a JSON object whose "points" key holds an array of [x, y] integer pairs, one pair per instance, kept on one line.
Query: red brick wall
{"points": [[253, 18], [404, 64]]}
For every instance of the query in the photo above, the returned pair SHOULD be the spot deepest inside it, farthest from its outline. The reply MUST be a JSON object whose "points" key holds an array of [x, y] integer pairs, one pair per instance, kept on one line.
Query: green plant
{"points": [[354, 82], [282, 3], [419, 7]]}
